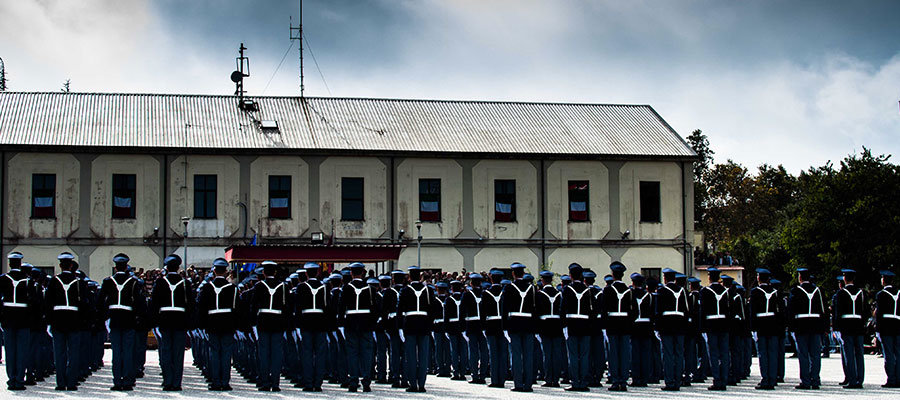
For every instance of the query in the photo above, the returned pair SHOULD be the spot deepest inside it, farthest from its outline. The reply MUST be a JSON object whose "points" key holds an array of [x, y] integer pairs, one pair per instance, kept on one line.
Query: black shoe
{"points": [[855, 386], [367, 388], [396, 385], [411, 390], [497, 385], [130, 388], [308, 389], [72, 388], [262, 389], [227, 388], [802, 387], [382, 381], [717, 388], [116, 388], [638, 384], [60, 388], [15, 388], [843, 383], [276, 389], [352, 389], [764, 387], [30, 382], [318, 389], [670, 388], [890, 386]]}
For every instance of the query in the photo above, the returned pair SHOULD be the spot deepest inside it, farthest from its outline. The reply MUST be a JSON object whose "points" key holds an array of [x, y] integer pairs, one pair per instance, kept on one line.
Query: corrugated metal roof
{"points": [[349, 124]]}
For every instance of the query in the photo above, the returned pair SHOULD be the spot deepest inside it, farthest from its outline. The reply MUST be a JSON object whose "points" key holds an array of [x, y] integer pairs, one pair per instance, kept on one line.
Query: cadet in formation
{"points": [[354, 331]]}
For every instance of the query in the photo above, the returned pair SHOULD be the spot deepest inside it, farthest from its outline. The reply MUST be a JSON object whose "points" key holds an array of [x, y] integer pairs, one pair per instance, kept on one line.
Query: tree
{"points": [[700, 143], [65, 86]]}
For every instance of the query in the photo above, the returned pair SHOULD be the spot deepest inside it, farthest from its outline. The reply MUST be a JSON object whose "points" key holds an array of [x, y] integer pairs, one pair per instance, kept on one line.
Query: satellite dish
{"points": [[237, 76]]}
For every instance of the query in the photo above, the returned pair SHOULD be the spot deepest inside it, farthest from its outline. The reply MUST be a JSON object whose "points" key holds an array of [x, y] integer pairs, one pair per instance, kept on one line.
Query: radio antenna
{"points": [[299, 36]]}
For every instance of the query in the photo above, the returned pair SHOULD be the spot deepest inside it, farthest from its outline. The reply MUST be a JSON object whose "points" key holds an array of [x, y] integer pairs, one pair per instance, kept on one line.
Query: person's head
{"points": [[456, 286], [357, 270], [15, 260], [518, 270], [312, 270], [442, 288], [803, 274], [589, 277], [637, 280], [399, 277], [575, 271], [384, 281], [220, 267], [546, 277], [617, 270], [415, 273], [475, 280], [65, 261], [694, 283], [120, 262], [496, 276], [172, 263], [669, 275], [887, 278], [763, 276], [270, 268], [565, 280], [849, 276], [713, 273], [728, 281]]}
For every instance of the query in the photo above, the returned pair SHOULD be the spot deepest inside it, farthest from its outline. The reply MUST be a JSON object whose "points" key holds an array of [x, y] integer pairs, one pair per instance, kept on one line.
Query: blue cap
{"points": [[372, 281], [414, 268], [485, 285], [528, 278], [839, 278], [763, 271], [357, 266], [398, 272], [669, 271], [516, 265], [220, 263], [258, 271], [680, 276], [15, 256], [575, 266], [121, 258], [546, 274], [268, 263], [846, 271], [727, 278], [475, 276], [505, 282], [608, 279], [311, 265], [589, 274], [637, 278], [172, 259], [345, 272], [335, 276], [65, 256], [384, 277], [455, 283], [887, 273], [775, 281], [294, 276], [441, 285], [802, 269], [712, 269], [565, 278], [694, 280], [496, 272], [617, 266]]}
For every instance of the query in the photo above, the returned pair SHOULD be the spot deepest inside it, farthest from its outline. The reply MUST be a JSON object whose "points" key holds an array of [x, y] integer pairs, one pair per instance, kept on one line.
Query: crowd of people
{"points": [[354, 328]]}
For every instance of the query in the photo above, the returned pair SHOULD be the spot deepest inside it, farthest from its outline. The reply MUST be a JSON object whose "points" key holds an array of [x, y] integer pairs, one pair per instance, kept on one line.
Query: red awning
{"points": [[298, 253]]}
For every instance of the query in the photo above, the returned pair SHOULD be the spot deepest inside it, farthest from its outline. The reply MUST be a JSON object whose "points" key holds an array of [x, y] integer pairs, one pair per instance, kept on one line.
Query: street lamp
{"points": [[419, 244], [185, 220]]}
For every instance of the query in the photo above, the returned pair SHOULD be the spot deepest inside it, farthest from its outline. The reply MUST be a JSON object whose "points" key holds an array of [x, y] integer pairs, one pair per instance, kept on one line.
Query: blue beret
{"points": [[372, 281], [414, 268], [311, 265], [475, 276], [294, 276], [608, 279], [357, 266], [121, 258], [727, 278], [840, 278], [496, 272], [172, 259], [589, 274], [398, 272], [565, 278], [694, 280], [802, 269], [485, 285], [267, 263], [517, 266], [546, 274], [669, 271], [65, 256], [220, 262], [335, 276], [528, 278], [846, 271], [505, 282], [384, 278], [680, 276], [617, 266], [575, 266], [712, 269], [442, 285], [15, 256], [887, 273], [763, 271], [775, 281]]}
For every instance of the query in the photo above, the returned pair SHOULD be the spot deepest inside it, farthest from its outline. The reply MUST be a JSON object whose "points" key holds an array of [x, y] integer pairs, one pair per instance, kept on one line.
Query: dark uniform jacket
{"points": [[218, 306], [454, 323], [491, 311], [67, 302], [359, 306], [694, 316], [887, 311], [765, 311], [439, 326], [715, 309], [850, 311], [671, 309], [122, 300], [644, 306], [20, 298], [313, 309], [269, 305], [577, 308], [517, 305], [416, 309], [806, 310], [549, 311], [617, 308], [471, 311], [171, 302]]}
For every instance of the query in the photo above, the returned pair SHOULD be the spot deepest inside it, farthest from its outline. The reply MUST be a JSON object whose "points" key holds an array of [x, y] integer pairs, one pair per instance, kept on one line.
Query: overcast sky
{"points": [[795, 83]]}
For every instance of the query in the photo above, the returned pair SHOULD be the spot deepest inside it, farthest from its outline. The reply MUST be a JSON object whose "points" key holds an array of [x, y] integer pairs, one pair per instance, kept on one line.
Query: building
{"points": [[492, 182]]}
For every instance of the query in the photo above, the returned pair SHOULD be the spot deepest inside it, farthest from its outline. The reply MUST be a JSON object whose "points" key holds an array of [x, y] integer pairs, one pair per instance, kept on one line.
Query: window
{"points": [[123, 192], [43, 196], [430, 200], [654, 273], [280, 196], [578, 201], [205, 196], [504, 200], [649, 192], [352, 199]]}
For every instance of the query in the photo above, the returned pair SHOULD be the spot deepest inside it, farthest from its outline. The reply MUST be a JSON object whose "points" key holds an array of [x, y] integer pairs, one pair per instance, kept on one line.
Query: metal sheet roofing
{"points": [[172, 121]]}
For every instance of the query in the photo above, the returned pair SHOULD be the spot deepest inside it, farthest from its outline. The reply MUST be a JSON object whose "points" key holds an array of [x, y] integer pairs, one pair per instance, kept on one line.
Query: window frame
{"points": [[280, 186], [43, 192], [427, 193], [507, 194], [202, 195], [347, 201], [587, 200], [643, 186], [129, 192]]}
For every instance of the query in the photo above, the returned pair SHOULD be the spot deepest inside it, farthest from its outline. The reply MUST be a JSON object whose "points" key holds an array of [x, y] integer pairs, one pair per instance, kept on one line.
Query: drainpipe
{"points": [[2, 203], [392, 210], [684, 240], [543, 216], [165, 207]]}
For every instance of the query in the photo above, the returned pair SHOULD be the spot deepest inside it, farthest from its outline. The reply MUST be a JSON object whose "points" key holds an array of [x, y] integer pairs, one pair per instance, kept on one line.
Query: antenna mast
{"points": [[299, 30], [2, 75]]}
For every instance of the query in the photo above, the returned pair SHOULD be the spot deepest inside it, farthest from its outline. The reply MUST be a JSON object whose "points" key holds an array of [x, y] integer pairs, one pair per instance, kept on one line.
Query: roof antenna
{"points": [[2, 75], [299, 30], [242, 64]]}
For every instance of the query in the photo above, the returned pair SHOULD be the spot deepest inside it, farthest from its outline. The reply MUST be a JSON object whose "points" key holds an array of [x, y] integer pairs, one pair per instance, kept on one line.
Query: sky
{"points": [[796, 83]]}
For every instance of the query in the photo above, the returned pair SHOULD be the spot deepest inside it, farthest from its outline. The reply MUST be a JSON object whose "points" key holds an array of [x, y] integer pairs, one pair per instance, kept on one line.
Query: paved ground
{"points": [[97, 387]]}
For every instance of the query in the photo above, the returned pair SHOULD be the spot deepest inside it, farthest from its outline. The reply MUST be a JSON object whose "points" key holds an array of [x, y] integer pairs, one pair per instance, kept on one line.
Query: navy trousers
{"points": [[809, 352], [852, 355], [381, 355], [441, 354], [719, 356], [417, 359], [767, 351], [171, 356], [140, 350], [619, 358], [221, 348], [597, 359], [499, 351], [673, 359], [396, 360], [271, 353], [478, 355], [521, 347], [890, 346], [736, 347], [459, 354], [579, 364], [781, 356], [553, 347], [67, 356], [17, 342], [122, 342], [314, 351], [360, 356], [641, 363], [690, 357]]}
